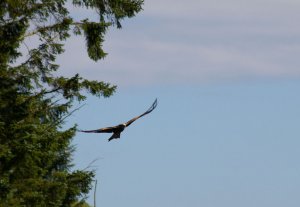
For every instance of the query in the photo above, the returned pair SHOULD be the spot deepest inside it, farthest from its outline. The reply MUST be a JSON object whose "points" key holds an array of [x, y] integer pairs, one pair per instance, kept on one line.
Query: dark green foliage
{"points": [[94, 38], [35, 153]]}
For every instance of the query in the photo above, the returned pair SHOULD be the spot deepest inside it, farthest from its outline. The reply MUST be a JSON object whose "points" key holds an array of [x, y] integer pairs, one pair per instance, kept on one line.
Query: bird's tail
{"points": [[114, 136]]}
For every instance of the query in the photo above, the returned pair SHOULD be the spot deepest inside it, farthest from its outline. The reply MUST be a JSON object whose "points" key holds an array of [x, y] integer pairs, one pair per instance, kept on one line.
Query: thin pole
{"points": [[95, 189]]}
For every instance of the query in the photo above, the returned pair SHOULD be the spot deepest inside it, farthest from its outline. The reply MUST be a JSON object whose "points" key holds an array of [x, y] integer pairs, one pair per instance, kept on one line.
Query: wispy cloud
{"points": [[174, 42]]}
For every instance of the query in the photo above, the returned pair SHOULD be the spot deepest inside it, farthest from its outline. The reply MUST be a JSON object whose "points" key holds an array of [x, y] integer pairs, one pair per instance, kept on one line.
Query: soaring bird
{"points": [[116, 130]]}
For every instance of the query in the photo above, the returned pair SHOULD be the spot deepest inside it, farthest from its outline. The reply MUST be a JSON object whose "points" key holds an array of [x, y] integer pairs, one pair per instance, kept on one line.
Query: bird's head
{"points": [[122, 126]]}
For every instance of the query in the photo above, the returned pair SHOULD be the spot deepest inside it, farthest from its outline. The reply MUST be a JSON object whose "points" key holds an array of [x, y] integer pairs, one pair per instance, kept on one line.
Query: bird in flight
{"points": [[116, 130]]}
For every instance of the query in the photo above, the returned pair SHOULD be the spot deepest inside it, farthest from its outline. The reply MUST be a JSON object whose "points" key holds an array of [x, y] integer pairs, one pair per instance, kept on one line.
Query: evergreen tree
{"points": [[35, 152]]}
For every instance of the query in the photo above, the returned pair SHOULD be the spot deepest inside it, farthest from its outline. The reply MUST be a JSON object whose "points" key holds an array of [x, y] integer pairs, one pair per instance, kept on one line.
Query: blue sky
{"points": [[226, 129]]}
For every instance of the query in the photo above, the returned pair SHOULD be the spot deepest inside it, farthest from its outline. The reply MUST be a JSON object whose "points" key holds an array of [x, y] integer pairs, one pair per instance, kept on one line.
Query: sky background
{"points": [[226, 128]]}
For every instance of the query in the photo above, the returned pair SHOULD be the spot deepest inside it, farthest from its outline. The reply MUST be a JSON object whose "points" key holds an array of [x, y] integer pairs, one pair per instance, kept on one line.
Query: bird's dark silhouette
{"points": [[116, 130]]}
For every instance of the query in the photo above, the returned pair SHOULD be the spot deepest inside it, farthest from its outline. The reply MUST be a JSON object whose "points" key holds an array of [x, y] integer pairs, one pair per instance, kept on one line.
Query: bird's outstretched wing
{"points": [[102, 130], [152, 107]]}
